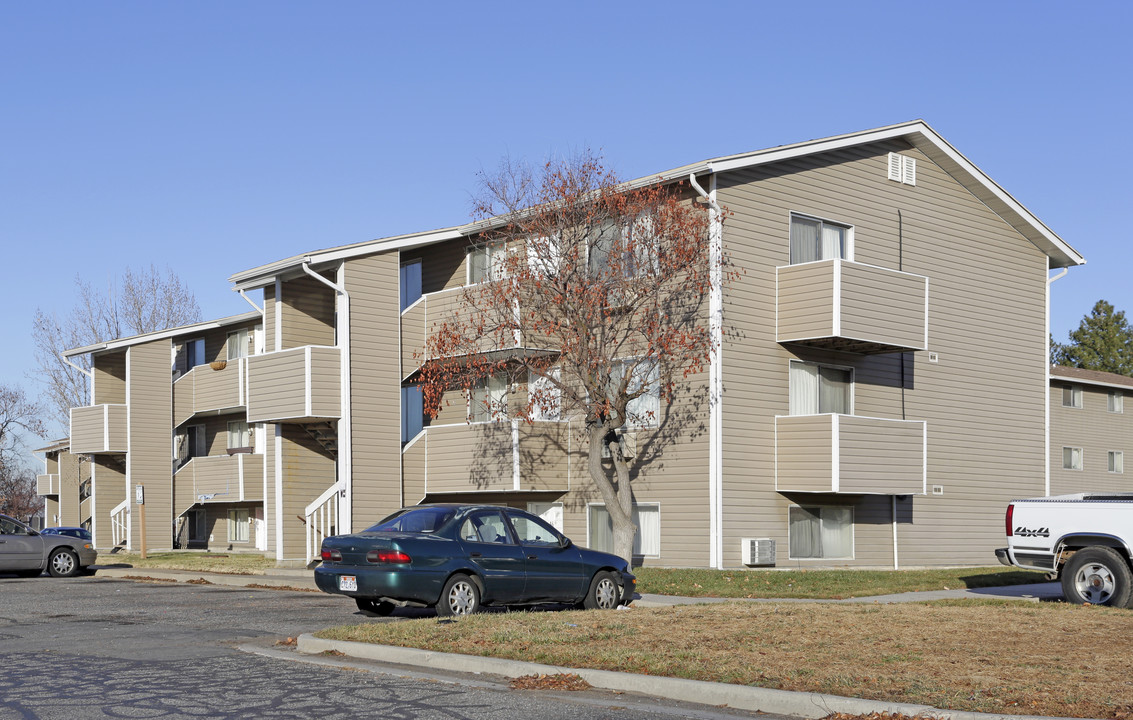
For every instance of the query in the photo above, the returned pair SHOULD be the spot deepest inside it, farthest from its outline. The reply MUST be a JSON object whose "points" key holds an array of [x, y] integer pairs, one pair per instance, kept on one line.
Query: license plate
{"points": [[347, 583]]}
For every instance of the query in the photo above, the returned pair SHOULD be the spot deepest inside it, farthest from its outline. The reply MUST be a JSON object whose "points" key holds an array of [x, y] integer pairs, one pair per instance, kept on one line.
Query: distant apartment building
{"points": [[65, 486], [881, 391], [1090, 430]]}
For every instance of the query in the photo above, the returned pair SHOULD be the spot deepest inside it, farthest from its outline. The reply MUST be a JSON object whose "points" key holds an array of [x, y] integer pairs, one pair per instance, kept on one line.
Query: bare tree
{"points": [[18, 417], [144, 301], [603, 290]]}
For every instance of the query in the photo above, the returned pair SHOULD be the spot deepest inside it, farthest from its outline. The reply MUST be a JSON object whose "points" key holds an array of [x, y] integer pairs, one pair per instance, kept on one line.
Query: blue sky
{"points": [[211, 137]]}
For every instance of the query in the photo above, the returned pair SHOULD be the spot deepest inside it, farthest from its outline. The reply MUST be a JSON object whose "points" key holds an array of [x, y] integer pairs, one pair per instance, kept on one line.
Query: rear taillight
{"points": [[331, 555], [1010, 517], [387, 556]]}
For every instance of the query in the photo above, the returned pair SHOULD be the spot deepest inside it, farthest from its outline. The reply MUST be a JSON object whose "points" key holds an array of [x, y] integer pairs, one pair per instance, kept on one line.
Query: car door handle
{"points": [[474, 554], [532, 557]]}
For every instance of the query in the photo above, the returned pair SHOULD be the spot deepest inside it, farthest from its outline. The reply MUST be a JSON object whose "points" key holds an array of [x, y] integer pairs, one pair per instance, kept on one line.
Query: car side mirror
{"points": [[565, 543]]}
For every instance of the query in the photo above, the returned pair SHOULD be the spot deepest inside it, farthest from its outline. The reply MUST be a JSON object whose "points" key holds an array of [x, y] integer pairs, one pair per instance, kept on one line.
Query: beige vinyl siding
{"points": [[308, 470], [206, 390], [272, 509], [1097, 431], [469, 458], [51, 512], [150, 427], [442, 265], [278, 384], [804, 458], [375, 387], [881, 456], [99, 429], [228, 479], [413, 337], [73, 470], [806, 301], [269, 317], [883, 306], [109, 485], [984, 415], [109, 376], [308, 312]]}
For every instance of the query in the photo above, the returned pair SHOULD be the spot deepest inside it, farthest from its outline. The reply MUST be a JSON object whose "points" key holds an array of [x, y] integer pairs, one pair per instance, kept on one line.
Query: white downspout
{"points": [[1046, 390], [345, 461], [248, 300], [715, 373]]}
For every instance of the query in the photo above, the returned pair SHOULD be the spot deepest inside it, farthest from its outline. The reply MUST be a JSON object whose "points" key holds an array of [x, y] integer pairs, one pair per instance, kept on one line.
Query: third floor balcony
{"points": [[843, 305], [211, 388], [98, 429], [297, 385]]}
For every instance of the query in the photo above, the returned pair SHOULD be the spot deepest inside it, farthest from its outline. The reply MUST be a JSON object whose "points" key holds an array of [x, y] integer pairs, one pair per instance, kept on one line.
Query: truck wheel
{"points": [[1097, 575]]}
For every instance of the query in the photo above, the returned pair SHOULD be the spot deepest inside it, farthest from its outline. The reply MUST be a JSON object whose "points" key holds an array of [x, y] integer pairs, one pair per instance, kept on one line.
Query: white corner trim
{"points": [[835, 454]]}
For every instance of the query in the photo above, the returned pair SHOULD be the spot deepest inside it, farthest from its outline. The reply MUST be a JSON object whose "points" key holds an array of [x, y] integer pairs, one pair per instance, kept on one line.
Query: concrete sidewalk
{"points": [[797, 704]]}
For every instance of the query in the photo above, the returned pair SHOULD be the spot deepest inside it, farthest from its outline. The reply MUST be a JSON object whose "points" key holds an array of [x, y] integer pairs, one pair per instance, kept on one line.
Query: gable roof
{"points": [[916, 132], [162, 334], [1090, 377]]}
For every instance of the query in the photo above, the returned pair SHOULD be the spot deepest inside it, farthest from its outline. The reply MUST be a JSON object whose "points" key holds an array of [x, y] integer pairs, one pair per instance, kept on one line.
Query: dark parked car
{"points": [[27, 552], [459, 557], [75, 532]]}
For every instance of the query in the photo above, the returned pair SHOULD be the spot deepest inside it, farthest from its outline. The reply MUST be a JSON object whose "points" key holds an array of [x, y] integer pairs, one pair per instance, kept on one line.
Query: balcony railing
{"points": [[842, 305], [297, 385], [98, 429], [420, 319], [850, 454], [219, 479], [203, 389], [47, 484], [489, 457]]}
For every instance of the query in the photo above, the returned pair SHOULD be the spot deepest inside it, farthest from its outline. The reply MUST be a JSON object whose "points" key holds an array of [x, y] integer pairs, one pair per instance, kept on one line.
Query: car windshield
{"points": [[420, 520]]}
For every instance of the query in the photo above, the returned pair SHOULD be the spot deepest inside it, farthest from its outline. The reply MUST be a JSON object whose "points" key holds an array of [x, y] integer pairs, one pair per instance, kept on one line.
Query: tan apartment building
{"points": [[880, 394], [65, 486], [1090, 429]]}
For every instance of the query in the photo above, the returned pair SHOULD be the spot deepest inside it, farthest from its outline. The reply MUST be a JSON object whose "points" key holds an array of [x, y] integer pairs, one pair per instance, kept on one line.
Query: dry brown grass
{"points": [[991, 656]]}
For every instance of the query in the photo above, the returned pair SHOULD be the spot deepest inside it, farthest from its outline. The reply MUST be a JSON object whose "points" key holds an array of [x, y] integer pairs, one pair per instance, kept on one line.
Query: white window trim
{"points": [[807, 216], [247, 524], [1115, 399], [1109, 457], [660, 532], [1081, 458], [853, 534], [1076, 393]]}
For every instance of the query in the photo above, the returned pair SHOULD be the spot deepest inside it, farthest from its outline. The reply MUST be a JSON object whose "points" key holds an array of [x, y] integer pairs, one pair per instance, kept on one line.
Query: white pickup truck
{"points": [[1085, 540]]}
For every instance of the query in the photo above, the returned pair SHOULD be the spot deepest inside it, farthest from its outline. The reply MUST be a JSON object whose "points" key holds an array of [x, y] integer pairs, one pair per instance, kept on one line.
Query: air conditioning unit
{"points": [[758, 551]]}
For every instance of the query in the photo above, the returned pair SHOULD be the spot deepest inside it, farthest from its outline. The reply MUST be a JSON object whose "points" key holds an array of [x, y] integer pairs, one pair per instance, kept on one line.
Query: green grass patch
{"points": [[196, 561], [821, 584]]}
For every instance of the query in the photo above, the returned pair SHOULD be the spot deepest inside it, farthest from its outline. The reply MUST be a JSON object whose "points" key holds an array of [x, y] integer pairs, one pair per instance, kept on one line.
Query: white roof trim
{"points": [[916, 132], [1098, 383], [163, 334]]}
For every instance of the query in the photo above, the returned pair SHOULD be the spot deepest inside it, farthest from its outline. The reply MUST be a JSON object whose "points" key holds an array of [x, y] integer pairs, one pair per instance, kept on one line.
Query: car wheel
{"points": [[604, 594], [1097, 575], [461, 596], [377, 607], [63, 563]]}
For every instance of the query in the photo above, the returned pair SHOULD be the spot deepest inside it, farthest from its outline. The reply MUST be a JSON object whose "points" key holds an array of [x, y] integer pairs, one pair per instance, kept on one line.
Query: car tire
{"points": [[381, 608], [1099, 576], [63, 563], [604, 593], [461, 596]]}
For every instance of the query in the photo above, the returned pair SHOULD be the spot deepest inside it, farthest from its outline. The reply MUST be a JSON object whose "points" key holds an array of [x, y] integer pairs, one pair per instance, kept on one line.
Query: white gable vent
{"points": [[902, 169], [757, 551]]}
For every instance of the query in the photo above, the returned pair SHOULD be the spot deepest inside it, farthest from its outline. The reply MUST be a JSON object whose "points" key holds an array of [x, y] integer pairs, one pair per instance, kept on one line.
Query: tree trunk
{"points": [[615, 492]]}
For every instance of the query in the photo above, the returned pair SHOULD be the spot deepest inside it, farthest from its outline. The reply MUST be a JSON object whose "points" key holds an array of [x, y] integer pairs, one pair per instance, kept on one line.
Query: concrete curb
{"points": [[740, 697], [264, 580]]}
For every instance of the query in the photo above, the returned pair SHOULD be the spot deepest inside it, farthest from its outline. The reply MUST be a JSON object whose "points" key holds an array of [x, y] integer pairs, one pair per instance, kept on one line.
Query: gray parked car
{"points": [[26, 552]]}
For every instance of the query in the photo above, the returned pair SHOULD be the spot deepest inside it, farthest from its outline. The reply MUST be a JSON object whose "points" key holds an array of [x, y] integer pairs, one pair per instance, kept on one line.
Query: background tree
{"points": [[604, 289], [18, 417], [1103, 341], [145, 301]]}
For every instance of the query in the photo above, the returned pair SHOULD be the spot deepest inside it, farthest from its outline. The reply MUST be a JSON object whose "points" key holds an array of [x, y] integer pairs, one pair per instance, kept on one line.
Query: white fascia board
{"points": [[1097, 383], [163, 334]]}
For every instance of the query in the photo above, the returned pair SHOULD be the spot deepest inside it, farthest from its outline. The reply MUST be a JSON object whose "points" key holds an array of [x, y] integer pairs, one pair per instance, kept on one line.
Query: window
{"points": [[1072, 396], [552, 512], [813, 239], [820, 389], [238, 525], [532, 531], [628, 251], [647, 540], [645, 409], [485, 526], [412, 413], [1116, 461], [410, 283], [239, 344], [1071, 458], [486, 262], [545, 396], [1116, 402], [821, 532], [194, 353], [238, 435], [902, 169], [487, 401]]}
